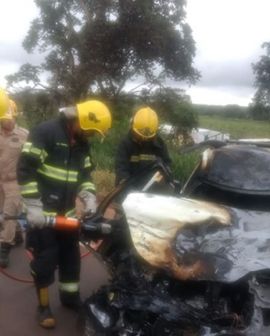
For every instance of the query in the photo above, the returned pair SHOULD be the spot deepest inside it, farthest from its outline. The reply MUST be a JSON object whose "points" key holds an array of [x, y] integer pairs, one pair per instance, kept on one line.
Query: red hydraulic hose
{"points": [[60, 223], [14, 277], [30, 256]]}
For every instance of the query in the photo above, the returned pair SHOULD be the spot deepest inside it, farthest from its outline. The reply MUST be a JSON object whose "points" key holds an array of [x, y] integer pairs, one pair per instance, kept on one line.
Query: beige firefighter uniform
{"points": [[10, 200]]}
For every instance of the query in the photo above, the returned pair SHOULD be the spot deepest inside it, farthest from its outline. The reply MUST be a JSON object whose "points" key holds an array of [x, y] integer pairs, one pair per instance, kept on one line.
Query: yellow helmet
{"points": [[4, 103], [145, 123], [11, 112], [94, 115]]}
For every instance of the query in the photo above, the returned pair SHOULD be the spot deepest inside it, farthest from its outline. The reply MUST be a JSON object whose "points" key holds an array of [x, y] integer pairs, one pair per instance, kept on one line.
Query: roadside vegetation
{"points": [[183, 164], [104, 150], [237, 128]]}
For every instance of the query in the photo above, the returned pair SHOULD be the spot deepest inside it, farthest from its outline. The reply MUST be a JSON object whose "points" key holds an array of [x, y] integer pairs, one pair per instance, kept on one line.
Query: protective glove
{"points": [[89, 201], [34, 213]]}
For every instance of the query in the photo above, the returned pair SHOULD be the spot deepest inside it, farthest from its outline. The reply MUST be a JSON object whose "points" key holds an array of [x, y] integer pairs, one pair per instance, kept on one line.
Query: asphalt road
{"points": [[18, 300]]}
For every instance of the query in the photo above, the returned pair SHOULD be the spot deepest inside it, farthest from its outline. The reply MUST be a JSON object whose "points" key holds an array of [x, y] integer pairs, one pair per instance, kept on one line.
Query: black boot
{"points": [[71, 300], [4, 254], [44, 315]]}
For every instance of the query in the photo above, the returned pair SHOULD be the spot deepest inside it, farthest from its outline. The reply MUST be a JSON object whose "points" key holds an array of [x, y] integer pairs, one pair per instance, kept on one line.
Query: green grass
{"points": [[237, 128], [184, 164], [104, 152]]}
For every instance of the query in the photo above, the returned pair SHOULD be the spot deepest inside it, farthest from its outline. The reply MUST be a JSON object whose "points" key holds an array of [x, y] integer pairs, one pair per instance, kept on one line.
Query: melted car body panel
{"points": [[198, 240], [155, 222]]}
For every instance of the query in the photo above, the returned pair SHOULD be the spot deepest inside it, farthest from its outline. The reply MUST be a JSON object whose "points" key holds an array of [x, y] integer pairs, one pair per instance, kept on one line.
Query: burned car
{"points": [[196, 263]]}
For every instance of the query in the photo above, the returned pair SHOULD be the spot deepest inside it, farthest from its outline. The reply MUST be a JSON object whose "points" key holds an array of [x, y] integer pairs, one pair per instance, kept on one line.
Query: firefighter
{"points": [[54, 169], [12, 139], [140, 147]]}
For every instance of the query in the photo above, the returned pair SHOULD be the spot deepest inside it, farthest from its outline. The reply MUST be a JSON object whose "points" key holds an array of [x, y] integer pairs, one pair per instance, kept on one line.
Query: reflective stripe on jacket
{"points": [[133, 158], [53, 169]]}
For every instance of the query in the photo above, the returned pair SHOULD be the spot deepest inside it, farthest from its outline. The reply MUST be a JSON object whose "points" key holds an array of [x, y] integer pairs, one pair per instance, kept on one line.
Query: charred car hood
{"points": [[198, 240]]}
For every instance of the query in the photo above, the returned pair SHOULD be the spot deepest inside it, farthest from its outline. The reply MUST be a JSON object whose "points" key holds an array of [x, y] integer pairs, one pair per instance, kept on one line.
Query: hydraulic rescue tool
{"points": [[89, 224]]}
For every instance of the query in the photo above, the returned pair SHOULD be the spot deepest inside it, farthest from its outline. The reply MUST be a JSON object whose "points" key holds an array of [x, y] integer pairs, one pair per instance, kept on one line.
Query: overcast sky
{"points": [[228, 35]]}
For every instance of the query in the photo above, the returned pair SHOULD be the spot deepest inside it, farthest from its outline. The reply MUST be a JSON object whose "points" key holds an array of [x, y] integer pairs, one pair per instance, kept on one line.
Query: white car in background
{"points": [[204, 134], [198, 134]]}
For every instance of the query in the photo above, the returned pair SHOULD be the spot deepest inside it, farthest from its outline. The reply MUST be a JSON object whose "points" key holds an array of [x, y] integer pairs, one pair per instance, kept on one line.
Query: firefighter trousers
{"points": [[50, 249]]}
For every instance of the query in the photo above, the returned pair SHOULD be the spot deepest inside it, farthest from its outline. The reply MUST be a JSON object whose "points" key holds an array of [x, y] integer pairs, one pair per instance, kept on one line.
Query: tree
{"points": [[99, 45], [36, 106], [234, 111], [260, 107], [259, 111], [174, 107]]}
